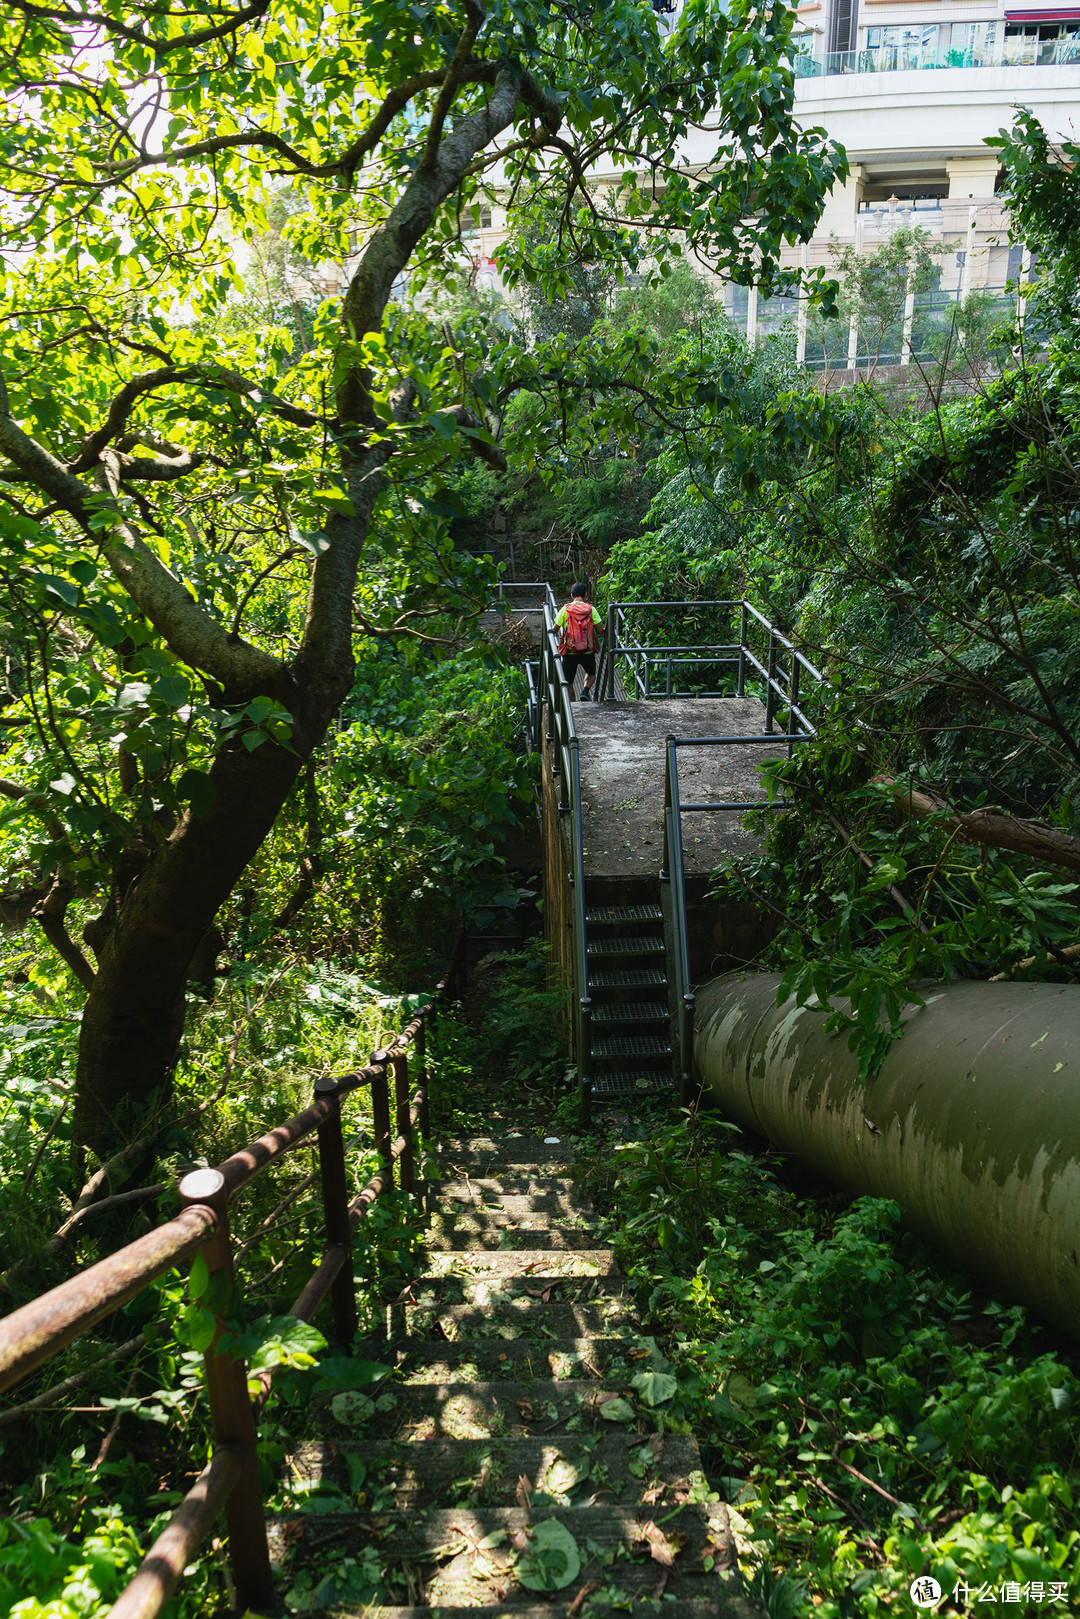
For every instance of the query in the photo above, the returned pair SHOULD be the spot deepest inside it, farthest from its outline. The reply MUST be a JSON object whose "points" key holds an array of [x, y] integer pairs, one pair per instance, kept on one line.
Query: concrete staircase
{"points": [[497, 1456]]}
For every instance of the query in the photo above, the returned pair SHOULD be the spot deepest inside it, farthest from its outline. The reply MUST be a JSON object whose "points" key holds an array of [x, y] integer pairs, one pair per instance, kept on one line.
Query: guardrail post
{"points": [[232, 1418], [335, 1201], [686, 1048], [422, 1077], [399, 1066], [585, 1057], [770, 684], [793, 699], [609, 655], [744, 630], [380, 1112]]}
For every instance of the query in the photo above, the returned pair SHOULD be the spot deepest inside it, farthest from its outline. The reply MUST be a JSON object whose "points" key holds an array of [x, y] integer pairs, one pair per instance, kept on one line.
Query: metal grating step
{"points": [[632, 1045], [636, 945], [638, 1083], [628, 978], [603, 915], [632, 1012]]}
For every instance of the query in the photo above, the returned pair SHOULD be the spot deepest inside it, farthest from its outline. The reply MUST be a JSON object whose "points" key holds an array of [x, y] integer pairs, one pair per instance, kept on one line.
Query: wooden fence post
{"points": [[335, 1201], [232, 1418], [380, 1113], [423, 1078], [400, 1067]]}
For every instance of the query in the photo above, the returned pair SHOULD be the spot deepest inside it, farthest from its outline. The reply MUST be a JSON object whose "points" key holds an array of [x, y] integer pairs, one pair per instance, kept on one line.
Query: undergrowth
{"points": [[87, 1481], [868, 1417]]}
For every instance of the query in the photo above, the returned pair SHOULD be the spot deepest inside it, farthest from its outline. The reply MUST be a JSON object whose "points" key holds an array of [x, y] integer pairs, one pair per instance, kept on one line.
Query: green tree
{"points": [[192, 542]]}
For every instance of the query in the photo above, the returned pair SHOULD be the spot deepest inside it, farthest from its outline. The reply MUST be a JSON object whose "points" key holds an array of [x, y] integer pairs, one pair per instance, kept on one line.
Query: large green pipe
{"points": [[972, 1124]]}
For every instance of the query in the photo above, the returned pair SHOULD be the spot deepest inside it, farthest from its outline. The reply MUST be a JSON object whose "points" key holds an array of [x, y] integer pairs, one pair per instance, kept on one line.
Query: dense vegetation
{"points": [[258, 764]]}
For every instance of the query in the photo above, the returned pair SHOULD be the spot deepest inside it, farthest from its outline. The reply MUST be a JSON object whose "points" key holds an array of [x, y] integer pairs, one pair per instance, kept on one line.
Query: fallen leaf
{"points": [[651, 1497], [662, 1549], [551, 1560], [617, 1410], [563, 1476], [524, 1491]]}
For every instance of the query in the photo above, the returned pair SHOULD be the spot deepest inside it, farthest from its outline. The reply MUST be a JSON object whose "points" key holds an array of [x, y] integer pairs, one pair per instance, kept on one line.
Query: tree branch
{"points": [[991, 827], [191, 633], [159, 47], [52, 914], [213, 376], [455, 73]]}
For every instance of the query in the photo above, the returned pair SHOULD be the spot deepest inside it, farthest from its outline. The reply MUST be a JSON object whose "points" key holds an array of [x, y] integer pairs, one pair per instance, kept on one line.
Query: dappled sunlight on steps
{"points": [[510, 1410]]}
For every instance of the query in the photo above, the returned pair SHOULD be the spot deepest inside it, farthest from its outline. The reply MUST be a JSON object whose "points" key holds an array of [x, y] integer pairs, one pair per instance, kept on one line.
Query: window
{"points": [[972, 44], [903, 46], [1045, 44]]}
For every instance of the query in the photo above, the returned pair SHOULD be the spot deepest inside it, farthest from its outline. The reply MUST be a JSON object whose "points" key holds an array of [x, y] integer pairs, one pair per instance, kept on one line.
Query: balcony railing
{"points": [[1019, 52]]}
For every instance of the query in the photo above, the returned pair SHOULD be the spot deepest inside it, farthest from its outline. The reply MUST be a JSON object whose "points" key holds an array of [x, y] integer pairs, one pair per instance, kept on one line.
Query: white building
{"points": [[911, 89]]}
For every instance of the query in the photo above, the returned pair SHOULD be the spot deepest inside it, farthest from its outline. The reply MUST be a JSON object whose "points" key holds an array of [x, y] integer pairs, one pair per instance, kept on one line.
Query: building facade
{"points": [[911, 89]]}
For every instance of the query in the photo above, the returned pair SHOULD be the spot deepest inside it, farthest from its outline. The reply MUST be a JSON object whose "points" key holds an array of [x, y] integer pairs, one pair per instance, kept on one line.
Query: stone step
{"points": [[490, 1229], [515, 1146], [441, 1552], [611, 915], [631, 1012], [487, 1161], [524, 1194], [633, 944], [421, 1411], [730, 1607], [636, 1082], [427, 1360], [549, 1263], [501, 1293], [513, 1317], [613, 1470]]}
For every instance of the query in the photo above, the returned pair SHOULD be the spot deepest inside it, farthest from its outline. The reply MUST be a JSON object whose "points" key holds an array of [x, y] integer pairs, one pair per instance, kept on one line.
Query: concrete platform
{"points": [[622, 756]]}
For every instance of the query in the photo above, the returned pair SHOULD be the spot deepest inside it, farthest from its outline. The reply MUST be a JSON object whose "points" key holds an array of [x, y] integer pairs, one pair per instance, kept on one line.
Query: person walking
{"points": [[579, 625]]}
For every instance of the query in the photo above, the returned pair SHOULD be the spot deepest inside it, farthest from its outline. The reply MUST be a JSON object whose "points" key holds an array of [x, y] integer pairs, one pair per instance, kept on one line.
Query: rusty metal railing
{"points": [[230, 1481]]}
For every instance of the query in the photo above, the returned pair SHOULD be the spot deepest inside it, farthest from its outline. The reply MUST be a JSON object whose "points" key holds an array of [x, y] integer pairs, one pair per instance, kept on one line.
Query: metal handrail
{"points": [[675, 872], [562, 736], [40, 1329], [780, 685]]}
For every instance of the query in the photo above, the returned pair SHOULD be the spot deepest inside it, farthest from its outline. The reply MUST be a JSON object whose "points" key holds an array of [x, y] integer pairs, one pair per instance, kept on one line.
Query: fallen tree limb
{"points": [[990, 827], [1052, 958], [60, 1391], [80, 1214]]}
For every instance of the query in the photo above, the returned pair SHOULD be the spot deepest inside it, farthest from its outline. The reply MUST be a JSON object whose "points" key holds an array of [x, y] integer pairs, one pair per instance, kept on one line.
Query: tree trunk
{"points": [[134, 1014]]}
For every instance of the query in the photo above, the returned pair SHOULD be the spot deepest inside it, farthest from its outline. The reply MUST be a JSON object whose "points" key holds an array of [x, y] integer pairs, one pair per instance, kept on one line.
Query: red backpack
{"points": [[578, 634]]}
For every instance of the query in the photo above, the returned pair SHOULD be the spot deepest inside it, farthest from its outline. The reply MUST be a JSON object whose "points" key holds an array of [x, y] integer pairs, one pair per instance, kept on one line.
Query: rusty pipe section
{"points": [[177, 1545], [30, 1335], [244, 1165], [972, 1125]]}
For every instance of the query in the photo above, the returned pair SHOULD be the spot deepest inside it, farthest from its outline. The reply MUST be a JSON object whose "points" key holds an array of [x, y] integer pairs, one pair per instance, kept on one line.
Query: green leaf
{"points": [[654, 1388], [199, 1279], [552, 1559], [286, 1341], [617, 1410]]}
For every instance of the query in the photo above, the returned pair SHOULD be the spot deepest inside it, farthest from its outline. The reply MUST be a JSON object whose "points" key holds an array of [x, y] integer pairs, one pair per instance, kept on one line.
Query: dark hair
{"points": [[579, 590]]}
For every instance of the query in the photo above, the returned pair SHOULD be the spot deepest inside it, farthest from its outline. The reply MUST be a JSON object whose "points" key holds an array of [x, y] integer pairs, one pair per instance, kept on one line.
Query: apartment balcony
{"points": [[922, 108], [911, 59]]}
